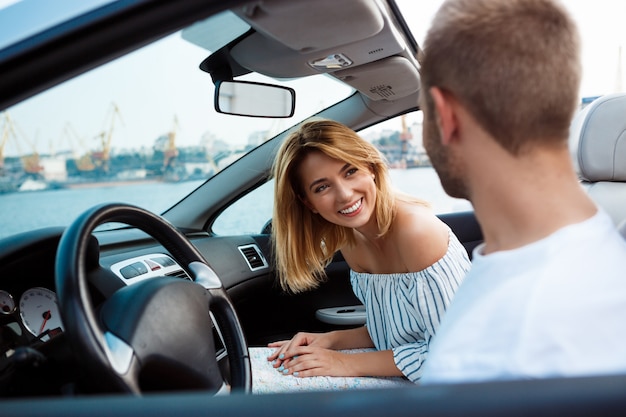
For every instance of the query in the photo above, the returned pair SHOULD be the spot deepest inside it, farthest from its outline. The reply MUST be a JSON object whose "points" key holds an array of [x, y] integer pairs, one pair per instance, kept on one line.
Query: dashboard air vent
{"points": [[253, 257]]}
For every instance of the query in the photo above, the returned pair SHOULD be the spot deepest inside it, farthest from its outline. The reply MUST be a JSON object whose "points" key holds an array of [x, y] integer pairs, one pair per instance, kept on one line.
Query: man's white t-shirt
{"points": [[556, 307]]}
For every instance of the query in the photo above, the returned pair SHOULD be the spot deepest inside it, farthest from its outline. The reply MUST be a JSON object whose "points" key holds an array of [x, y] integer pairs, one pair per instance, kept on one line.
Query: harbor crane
{"points": [[81, 157], [30, 162], [171, 152], [101, 158]]}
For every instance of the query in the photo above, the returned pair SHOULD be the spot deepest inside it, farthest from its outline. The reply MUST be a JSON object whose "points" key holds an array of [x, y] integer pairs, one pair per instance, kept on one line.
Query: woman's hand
{"points": [[286, 348], [317, 361], [305, 361], [316, 354]]}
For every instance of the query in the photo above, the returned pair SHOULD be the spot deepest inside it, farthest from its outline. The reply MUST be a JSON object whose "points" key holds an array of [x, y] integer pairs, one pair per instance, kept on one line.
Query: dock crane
{"points": [[6, 131], [84, 162], [171, 152], [101, 158], [30, 162], [405, 137]]}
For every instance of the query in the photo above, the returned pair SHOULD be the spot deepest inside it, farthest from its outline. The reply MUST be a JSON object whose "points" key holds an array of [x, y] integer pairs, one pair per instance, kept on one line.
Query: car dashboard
{"points": [[32, 341]]}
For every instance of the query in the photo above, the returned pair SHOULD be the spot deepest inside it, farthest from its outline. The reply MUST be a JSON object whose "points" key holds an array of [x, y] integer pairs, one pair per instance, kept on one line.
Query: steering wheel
{"points": [[156, 333]]}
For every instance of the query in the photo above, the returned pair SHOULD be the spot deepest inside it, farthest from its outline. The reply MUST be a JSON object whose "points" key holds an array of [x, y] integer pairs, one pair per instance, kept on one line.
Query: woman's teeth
{"points": [[352, 208]]}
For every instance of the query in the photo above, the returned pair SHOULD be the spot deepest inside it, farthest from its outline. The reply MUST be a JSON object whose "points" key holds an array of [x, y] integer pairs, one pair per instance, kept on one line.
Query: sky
{"points": [[602, 25], [89, 99]]}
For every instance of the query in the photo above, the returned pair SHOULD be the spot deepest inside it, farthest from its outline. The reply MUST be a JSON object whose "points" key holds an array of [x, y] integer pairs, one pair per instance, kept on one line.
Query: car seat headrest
{"points": [[598, 139]]}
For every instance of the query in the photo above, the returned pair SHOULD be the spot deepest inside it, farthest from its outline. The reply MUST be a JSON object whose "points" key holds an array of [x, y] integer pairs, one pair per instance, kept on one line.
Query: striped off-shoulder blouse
{"points": [[404, 309]]}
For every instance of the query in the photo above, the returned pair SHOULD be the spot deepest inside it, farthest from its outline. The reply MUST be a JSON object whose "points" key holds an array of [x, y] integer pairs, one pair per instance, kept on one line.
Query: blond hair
{"points": [[305, 243], [514, 64]]}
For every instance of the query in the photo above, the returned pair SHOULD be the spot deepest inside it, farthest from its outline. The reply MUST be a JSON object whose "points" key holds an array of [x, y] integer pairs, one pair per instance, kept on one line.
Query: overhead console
{"points": [[369, 54], [387, 79]]}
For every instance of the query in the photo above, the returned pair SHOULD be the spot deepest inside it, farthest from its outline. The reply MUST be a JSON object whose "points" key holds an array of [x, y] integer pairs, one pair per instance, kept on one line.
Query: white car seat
{"points": [[598, 147]]}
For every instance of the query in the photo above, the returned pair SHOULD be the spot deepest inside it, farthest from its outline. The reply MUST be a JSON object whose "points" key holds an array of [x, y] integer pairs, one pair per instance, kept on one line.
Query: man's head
{"points": [[513, 64]]}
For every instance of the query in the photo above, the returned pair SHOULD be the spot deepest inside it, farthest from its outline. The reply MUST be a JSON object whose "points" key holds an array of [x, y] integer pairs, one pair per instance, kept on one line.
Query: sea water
{"points": [[23, 211]]}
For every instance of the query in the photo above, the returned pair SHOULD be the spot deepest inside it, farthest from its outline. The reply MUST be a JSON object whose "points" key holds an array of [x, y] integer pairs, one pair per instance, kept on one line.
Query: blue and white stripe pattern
{"points": [[404, 309]]}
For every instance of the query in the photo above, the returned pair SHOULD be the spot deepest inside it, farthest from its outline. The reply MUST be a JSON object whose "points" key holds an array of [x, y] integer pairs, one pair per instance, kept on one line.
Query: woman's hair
{"points": [[304, 242]]}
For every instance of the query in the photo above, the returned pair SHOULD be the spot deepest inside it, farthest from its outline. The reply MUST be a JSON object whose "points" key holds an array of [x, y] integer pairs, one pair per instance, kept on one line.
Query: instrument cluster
{"points": [[33, 317]]}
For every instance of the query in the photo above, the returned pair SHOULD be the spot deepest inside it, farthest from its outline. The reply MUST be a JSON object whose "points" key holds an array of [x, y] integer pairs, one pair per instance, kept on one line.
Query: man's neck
{"points": [[520, 200]]}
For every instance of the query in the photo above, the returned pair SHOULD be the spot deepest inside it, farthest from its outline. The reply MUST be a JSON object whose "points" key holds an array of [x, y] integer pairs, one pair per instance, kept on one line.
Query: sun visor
{"points": [[387, 79], [307, 29]]}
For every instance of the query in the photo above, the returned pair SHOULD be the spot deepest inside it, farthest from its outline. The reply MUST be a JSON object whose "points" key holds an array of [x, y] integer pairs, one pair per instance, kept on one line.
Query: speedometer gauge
{"points": [[39, 311]]}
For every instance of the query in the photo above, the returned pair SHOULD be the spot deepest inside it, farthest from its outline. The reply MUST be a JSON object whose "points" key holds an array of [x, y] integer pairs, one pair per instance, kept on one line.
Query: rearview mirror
{"points": [[245, 98]]}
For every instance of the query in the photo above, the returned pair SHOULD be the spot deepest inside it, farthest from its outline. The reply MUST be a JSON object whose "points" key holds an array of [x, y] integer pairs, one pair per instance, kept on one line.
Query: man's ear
{"points": [[445, 114]]}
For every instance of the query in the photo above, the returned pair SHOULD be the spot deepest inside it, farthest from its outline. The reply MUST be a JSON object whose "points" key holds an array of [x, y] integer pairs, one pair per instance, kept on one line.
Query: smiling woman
{"points": [[333, 195]]}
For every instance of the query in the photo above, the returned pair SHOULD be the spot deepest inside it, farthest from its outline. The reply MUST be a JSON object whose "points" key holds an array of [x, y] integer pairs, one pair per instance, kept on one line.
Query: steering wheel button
{"points": [[129, 272], [140, 267], [164, 260]]}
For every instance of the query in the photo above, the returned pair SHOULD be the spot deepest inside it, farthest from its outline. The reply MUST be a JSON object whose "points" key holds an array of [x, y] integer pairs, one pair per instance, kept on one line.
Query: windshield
{"points": [[140, 130]]}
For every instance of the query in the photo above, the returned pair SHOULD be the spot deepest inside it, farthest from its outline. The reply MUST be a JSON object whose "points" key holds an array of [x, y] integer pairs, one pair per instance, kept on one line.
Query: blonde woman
{"points": [[333, 193]]}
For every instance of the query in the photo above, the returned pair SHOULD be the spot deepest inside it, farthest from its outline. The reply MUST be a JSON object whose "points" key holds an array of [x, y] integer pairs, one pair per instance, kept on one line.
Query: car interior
{"points": [[375, 56], [138, 334]]}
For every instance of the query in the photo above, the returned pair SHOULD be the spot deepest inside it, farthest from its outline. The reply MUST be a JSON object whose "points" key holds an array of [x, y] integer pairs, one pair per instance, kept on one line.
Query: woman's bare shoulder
{"points": [[421, 236], [417, 219]]}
